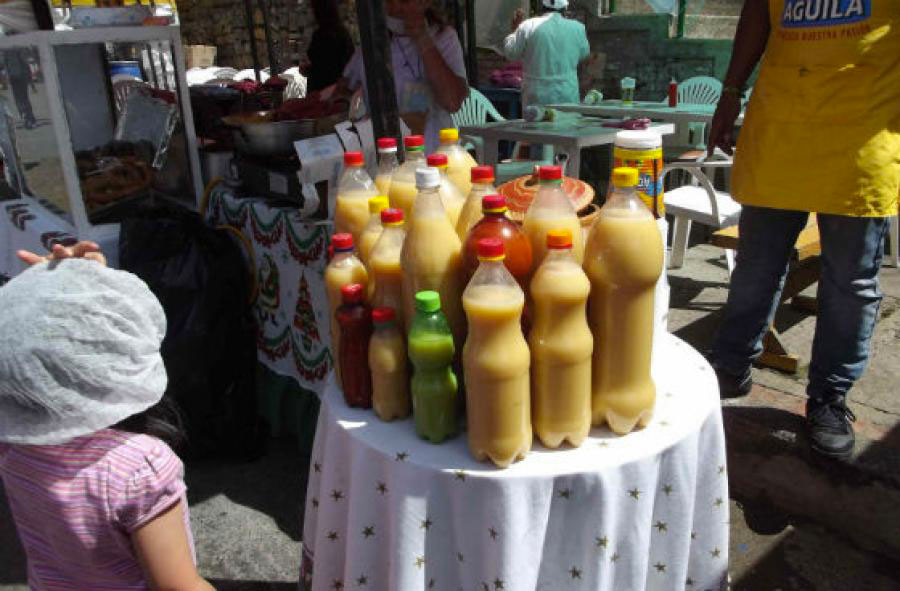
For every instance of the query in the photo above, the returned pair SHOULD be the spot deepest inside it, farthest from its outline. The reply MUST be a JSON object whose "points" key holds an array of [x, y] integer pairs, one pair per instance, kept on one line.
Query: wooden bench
{"points": [[803, 271]]}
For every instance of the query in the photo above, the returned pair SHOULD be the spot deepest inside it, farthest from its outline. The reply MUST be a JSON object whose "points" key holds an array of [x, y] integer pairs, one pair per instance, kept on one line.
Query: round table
{"points": [[386, 510]]}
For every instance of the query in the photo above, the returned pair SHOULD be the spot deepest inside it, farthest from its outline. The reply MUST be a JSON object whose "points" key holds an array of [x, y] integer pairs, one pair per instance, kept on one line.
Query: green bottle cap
{"points": [[428, 301]]}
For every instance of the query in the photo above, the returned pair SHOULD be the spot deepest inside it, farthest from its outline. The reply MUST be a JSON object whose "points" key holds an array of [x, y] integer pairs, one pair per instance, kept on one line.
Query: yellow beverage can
{"points": [[642, 149]]}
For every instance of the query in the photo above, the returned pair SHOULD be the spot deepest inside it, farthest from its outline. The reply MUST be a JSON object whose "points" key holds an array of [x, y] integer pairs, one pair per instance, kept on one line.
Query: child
{"points": [[96, 493]]}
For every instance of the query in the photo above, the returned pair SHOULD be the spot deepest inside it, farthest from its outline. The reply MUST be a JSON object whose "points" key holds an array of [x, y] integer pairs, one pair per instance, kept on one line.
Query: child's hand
{"points": [[82, 250]]}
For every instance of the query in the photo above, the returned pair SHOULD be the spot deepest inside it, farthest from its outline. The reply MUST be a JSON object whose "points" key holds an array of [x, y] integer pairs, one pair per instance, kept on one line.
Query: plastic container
{"points": [[623, 260], [387, 164], [495, 224], [561, 346], [432, 254], [343, 269], [496, 362], [385, 265], [354, 189], [482, 184], [355, 320], [627, 85], [434, 385], [403, 182], [673, 93], [387, 362], [642, 149], [373, 229], [551, 209], [460, 162], [451, 197]]}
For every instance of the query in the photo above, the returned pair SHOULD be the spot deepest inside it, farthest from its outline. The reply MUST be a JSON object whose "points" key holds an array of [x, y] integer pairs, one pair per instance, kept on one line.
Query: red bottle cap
{"points": [[391, 216], [353, 158], [550, 173], [342, 242], [559, 239], [482, 174], [383, 315], [439, 160], [490, 248], [493, 204], [353, 293], [386, 143], [414, 141]]}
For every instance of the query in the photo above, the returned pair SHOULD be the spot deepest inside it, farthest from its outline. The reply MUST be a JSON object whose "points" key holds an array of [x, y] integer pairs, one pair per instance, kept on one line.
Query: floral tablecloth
{"points": [[645, 512], [290, 255]]}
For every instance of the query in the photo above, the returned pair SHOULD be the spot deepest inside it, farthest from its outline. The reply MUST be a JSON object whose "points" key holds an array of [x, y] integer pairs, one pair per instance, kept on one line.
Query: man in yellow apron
{"points": [[821, 134]]}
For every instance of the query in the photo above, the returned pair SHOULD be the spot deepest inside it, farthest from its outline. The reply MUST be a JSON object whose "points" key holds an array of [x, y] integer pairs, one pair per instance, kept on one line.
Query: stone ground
{"points": [[246, 521]]}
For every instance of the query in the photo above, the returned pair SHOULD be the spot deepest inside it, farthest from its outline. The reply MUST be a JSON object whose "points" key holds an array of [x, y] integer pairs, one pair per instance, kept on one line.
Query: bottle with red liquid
{"points": [[355, 320], [495, 224], [673, 93]]}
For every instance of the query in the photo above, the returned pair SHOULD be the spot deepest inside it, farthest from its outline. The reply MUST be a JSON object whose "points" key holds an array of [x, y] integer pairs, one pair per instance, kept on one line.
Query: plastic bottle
{"points": [[355, 319], [403, 182], [343, 269], [434, 385], [373, 229], [451, 197], [496, 362], [387, 164], [551, 210], [384, 262], [482, 184], [460, 162], [673, 93], [387, 362], [354, 189], [431, 254], [623, 260], [561, 346], [495, 224]]}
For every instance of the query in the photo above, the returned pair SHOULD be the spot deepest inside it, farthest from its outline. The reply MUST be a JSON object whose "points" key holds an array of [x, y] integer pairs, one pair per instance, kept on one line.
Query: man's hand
{"points": [[721, 132], [517, 19], [82, 250]]}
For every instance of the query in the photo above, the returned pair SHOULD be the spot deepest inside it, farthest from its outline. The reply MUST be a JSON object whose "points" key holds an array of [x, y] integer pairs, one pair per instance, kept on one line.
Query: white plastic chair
{"points": [[699, 90], [699, 202], [122, 89]]}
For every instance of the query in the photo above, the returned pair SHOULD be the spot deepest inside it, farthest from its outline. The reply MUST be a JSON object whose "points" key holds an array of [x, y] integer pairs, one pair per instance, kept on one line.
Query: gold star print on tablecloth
{"points": [[722, 469], [401, 456], [566, 493], [715, 552], [660, 567], [493, 533], [615, 557], [667, 489], [362, 581], [337, 495], [574, 573], [420, 561], [601, 542], [368, 531], [426, 524], [689, 582], [333, 536], [460, 557], [431, 583], [460, 475], [693, 535], [337, 585], [317, 467], [498, 584], [661, 527], [381, 488], [634, 493], [315, 503], [719, 502]]}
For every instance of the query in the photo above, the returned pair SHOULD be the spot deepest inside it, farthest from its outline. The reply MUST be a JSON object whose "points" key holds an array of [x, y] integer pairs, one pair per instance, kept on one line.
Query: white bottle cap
{"points": [[428, 178]]}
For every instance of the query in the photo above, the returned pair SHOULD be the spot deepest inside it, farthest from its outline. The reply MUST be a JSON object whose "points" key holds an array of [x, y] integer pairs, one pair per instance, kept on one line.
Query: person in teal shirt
{"points": [[550, 47]]}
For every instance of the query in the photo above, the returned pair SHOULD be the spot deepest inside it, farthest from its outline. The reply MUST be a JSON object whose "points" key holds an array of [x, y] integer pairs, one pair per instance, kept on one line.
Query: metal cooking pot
{"points": [[257, 134]]}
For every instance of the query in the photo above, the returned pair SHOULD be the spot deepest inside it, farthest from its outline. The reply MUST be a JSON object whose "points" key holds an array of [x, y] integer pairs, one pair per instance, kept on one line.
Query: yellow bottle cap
{"points": [[559, 239], [625, 177], [449, 135], [376, 204]]}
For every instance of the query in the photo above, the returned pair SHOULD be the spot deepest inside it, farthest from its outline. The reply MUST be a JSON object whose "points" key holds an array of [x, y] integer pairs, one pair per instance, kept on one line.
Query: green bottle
{"points": [[434, 385]]}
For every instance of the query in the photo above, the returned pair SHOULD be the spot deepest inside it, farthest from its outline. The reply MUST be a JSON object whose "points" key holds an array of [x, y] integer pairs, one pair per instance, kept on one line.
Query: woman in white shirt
{"points": [[428, 66]]}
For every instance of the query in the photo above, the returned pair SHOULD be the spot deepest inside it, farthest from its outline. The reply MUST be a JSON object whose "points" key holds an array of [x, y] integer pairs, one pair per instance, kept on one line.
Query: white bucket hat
{"points": [[79, 351], [556, 4]]}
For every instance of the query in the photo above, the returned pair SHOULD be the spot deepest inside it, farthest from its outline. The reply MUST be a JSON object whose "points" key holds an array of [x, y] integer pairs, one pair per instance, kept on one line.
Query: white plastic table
{"points": [[683, 113], [569, 135], [648, 511]]}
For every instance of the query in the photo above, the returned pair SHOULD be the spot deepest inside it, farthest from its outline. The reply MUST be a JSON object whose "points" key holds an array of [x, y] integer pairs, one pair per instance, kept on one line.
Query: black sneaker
{"points": [[830, 431], [732, 386]]}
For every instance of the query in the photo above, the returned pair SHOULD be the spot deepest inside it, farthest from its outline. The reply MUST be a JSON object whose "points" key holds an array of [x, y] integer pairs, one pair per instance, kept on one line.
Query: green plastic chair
{"points": [[477, 109]]}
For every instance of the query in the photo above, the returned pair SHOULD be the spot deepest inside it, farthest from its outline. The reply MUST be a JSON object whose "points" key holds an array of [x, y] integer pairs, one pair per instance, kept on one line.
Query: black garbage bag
{"points": [[199, 275]]}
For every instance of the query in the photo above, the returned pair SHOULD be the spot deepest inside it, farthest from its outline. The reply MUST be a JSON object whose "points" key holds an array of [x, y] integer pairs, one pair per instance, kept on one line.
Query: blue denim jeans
{"points": [[848, 294]]}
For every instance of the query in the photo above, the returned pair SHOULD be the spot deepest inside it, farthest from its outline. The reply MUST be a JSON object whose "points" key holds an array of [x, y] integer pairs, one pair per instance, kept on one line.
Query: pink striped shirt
{"points": [[76, 504]]}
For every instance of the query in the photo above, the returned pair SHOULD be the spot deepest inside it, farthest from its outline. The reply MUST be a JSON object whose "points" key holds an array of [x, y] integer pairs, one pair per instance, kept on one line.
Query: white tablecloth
{"points": [[290, 254], [387, 511]]}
